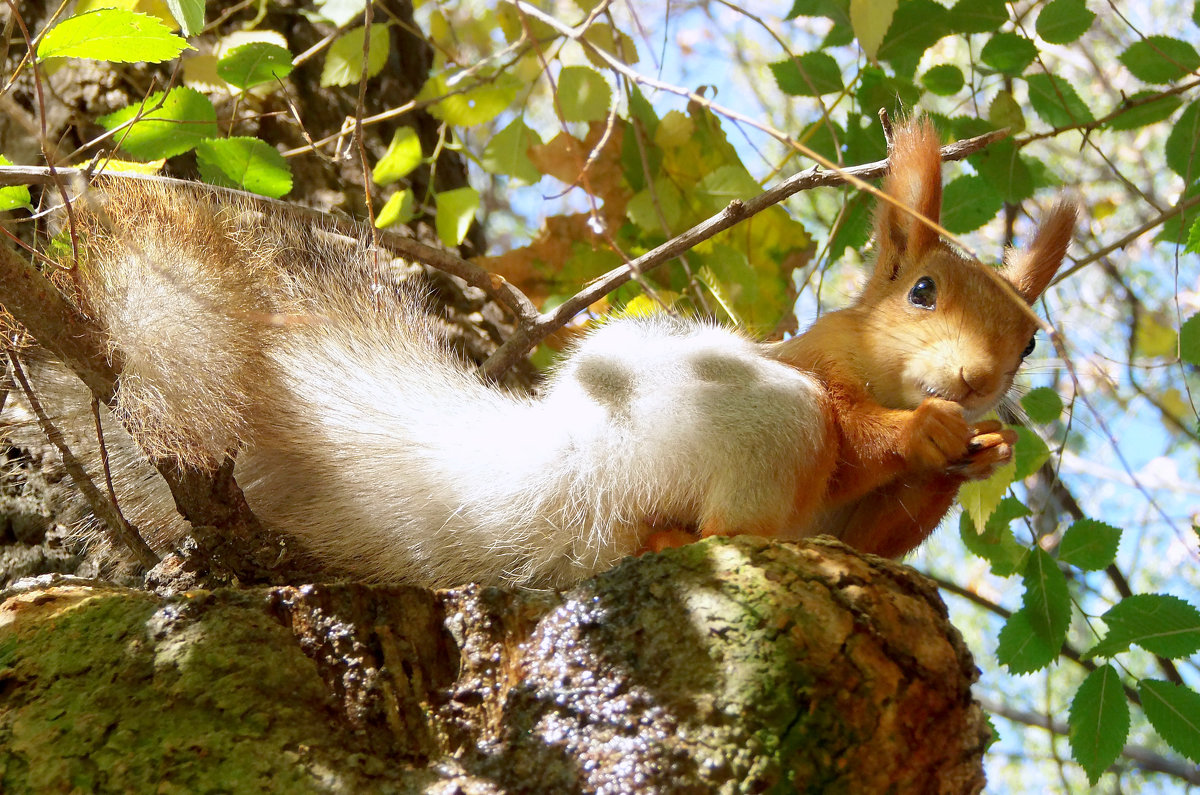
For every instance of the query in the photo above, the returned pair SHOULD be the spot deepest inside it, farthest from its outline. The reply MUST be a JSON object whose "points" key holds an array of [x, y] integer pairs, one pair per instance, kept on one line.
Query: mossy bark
{"points": [[733, 665]]}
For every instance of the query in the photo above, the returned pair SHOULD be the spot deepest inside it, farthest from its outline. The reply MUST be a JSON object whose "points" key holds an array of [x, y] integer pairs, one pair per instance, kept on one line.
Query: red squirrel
{"points": [[359, 434]]}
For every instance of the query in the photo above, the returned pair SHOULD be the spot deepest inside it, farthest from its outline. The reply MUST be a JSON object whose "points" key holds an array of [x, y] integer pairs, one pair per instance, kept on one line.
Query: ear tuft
{"points": [[915, 182], [1031, 270]]}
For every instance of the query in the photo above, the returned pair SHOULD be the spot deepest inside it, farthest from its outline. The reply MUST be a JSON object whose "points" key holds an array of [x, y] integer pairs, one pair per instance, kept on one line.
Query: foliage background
{"points": [[594, 132]]}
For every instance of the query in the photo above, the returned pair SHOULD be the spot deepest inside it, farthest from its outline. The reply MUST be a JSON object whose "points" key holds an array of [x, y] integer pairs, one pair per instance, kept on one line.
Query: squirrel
{"points": [[357, 432]]}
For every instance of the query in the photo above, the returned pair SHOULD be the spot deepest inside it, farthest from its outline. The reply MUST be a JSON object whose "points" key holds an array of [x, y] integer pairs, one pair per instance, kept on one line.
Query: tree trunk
{"points": [[732, 665]]}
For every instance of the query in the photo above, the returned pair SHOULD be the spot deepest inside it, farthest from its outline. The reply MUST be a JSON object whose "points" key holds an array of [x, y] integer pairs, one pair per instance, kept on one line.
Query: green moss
{"points": [[85, 693]]}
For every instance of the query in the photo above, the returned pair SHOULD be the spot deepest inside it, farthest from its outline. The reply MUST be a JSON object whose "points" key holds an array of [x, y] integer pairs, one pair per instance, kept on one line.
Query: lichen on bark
{"points": [[733, 665]]}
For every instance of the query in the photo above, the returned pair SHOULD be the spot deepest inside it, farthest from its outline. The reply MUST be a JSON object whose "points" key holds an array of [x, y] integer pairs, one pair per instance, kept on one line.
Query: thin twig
{"points": [[529, 335], [119, 530]]}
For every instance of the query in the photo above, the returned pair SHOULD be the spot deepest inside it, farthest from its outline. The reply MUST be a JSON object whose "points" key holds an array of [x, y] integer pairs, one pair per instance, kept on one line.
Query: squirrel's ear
{"points": [[1031, 270], [915, 182]]}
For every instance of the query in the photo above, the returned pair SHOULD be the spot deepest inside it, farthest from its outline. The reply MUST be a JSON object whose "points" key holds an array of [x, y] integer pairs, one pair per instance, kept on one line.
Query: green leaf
{"points": [[508, 152], [343, 60], [643, 209], [255, 63], [808, 75], [1183, 144], [1056, 102], [980, 497], [1008, 52], [1099, 721], [837, 10], [1193, 247], [455, 212], [1030, 452], [970, 201], [1160, 59], [1006, 112], [1064, 21], [1043, 405], [13, 196], [1020, 648], [341, 12], [246, 163], [871, 20], [402, 156], [721, 186], [1189, 333], [1174, 712], [1160, 623], [996, 544], [480, 103], [977, 16], [877, 89], [1046, 598], [916, 26], [1008, 172], [1143, 109], [583, 94], [1089, 544], [112, 34], [943, 79], [189, 14], [169, 125], [398, 209]]}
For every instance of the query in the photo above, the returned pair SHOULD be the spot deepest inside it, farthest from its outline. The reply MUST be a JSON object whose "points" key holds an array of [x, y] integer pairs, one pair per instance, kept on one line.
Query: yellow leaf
{"points": [[870, 20], [980, 497]]}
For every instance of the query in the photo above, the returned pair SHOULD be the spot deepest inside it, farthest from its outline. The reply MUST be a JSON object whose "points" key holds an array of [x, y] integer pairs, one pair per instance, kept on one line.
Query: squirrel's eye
{"points": [[923, 293], [1029, 348]]}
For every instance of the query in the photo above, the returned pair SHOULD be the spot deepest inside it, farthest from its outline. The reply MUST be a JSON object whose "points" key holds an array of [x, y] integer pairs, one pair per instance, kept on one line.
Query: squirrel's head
{"points": [[936, 323]]}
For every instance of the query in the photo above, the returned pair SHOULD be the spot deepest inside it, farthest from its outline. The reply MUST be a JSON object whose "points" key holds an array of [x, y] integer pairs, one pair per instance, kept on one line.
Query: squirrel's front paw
{"points": [[990, 448], [936, 435]]}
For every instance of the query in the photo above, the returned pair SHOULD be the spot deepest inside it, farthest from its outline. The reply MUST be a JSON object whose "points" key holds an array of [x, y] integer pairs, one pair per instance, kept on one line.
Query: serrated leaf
{"points": [[189, 14], [877, 89], [583, 94], [13, 196], [1021, 649], [112, 34], [996, 544], [246, 163], [916, 26], [980, 497], [1005, 111], [455, 212], [402, 156], [808, 75], [1174, 712], [1160, 623], [398, 209], [977, 16], [343, 60], [1142, 109], [167, 126], [1042, 404], [1193, 241], [255, 63], [1003, 166], [1064, 21], [1055, 101], [508, 152], [1160, 59], [1089, 544], [1029, 453], [1189, 337], [870, 20], [1183, 144], [1008, 52], [944, 79], [1046, 598], [1099, 721], [970, 201], [644, 208]]}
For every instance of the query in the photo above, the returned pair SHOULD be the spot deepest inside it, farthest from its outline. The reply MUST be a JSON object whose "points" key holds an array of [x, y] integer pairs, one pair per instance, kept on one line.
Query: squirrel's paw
{"points": [[990, 448], [937, 435]]}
